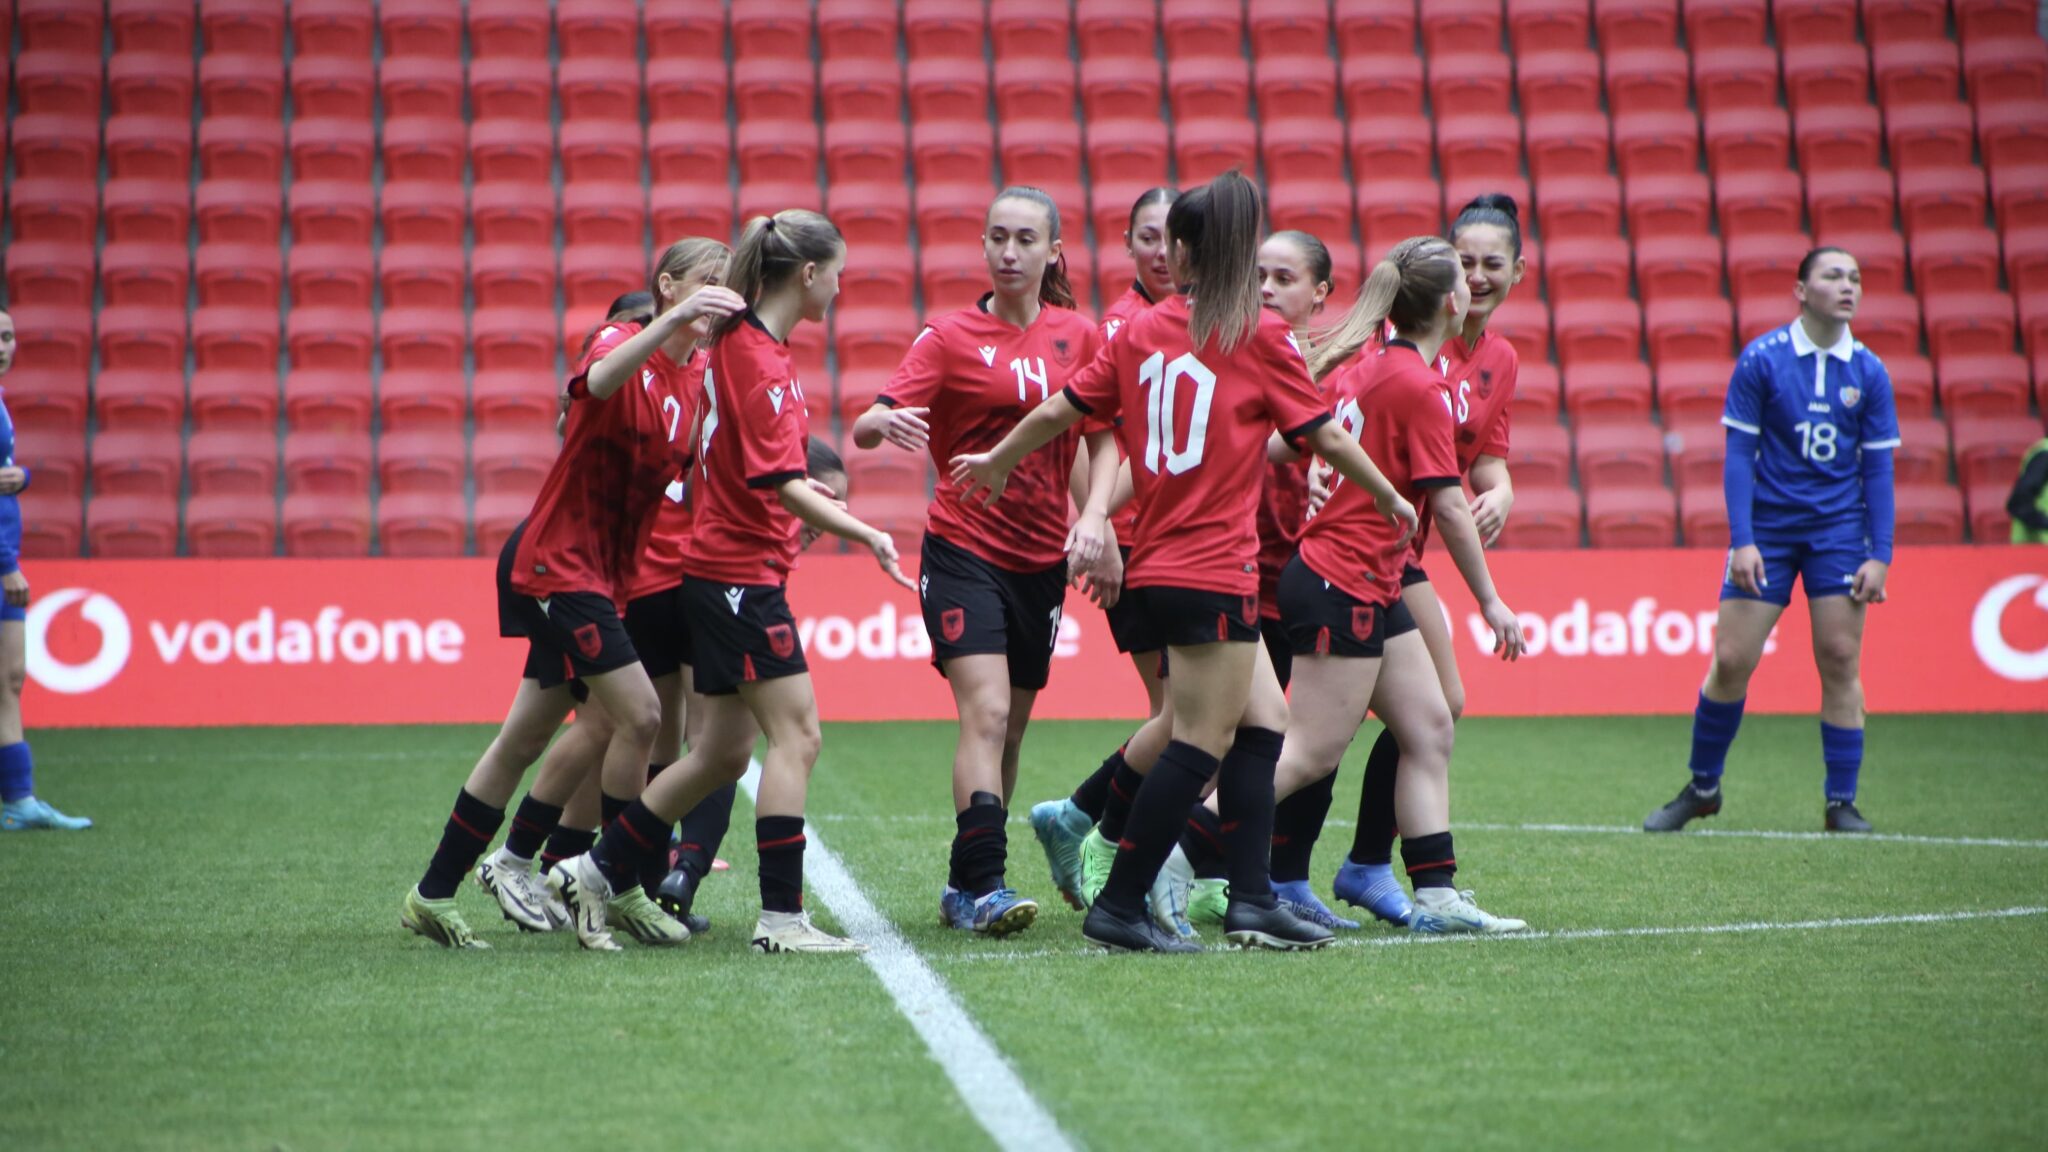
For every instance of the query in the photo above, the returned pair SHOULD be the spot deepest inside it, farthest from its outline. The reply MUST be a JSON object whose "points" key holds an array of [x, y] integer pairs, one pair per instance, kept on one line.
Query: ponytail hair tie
{"points": [[769, 226]]}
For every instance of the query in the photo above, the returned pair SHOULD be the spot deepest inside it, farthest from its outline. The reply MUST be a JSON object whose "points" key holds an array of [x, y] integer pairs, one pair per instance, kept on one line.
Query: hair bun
{"points": [[1498, 201]]}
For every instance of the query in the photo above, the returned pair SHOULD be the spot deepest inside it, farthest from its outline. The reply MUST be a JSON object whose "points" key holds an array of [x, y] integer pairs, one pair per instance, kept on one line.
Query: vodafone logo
{"points": [[116, 641], [1987, 630]]}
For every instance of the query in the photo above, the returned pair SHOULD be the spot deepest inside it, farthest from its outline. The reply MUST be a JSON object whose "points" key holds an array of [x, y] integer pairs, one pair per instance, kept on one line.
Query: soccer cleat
{"points": [[1842, 816], [1168, 899], [1297, 897], [1106, 929], [999, 913], [1060, 828], [1208, 900], [1098, 855], [1441, 911], [550, 904], [794, 932], [583, 890], [438, 921], [30, 813], [644, 920], [510, 882], [1382, 895], [677, 895], [1690, 805], [1249, 925]]}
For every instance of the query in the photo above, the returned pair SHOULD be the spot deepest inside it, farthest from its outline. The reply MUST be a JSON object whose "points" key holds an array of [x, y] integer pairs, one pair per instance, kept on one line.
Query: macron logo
{"points": [[732, 599], [988, 355], [775, 398]]}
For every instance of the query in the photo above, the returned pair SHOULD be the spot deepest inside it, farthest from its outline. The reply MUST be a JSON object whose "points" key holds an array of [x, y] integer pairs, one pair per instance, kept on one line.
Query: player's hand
{"points": [[1103, 584], [12, 480], [1866, 588], [1490, 513], [17, 588], [1508, 642], [884, 549], [979, 470], [907, 429], [1746, 569], [1319, 490], [712, 302], [1401, 512], [1085, 541]]}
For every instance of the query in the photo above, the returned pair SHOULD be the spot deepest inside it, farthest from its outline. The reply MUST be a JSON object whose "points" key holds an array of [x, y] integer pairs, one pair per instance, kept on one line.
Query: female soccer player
{"points": [[752, 501], [20, 808], [1204, 379], [1808, 479], [1294, 280], [1354, 638], [563, 577], [994, 577], [1480, 368]]}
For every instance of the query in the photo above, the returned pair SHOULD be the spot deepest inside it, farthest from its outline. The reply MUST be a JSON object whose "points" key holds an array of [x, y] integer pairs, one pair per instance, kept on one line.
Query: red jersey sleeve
{"points": [[1096, 390], [1290, 394], [1431, 430], [918, 378], [603, 344], [773, 441], [1495, 442]]}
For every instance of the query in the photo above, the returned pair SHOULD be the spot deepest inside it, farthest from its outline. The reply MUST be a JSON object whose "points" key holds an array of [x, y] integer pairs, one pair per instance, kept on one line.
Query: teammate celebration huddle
{"points": [[1246, 485]]}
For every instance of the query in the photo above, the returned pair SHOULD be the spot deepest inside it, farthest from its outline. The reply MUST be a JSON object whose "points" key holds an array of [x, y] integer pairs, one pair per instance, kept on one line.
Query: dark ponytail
{"points": [[774, 248], [1495, 208], [1217, 226], [1053, 286]]}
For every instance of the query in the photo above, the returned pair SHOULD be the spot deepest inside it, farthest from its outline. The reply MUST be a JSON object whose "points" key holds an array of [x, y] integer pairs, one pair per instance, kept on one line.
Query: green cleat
{"points": [[1097, 855], [1208, 900], [644, 920], [1060, 828], [438, 921]]}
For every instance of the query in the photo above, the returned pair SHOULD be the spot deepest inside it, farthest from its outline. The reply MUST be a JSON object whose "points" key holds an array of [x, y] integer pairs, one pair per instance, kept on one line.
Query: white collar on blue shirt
{"points": [[1803, 345]]}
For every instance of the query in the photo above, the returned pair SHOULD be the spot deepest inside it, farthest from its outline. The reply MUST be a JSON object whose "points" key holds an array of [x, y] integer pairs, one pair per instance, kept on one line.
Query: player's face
{"points": [[1487, 253], [1148, 246], [677, 291], [1018, 245], [1833, 289], [836, 481], [6, 343], [821, 285], [1461, 302], [1286, 285]]}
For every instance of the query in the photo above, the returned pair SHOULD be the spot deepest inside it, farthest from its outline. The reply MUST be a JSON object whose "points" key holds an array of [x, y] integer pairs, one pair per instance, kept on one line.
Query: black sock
{"points": [[1202, 842], [1094, 791], [1158, 813], [980, 845], [1116, 809], [470, 829], [1430, 861], [531, 826], [1297, 823], [626, 844], [609, 807], [780, 840], [566, 843], [1245, 793], [1373, 841], [703, 830]]}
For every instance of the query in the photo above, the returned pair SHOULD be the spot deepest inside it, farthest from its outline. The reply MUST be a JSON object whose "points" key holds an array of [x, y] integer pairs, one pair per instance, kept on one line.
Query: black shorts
{"points": [[568, 634], [1274, 633], [1124, 625], [660, 631], [1189, 617], [1324, 620], [740, 634], [1413, 575], [973, 608]]}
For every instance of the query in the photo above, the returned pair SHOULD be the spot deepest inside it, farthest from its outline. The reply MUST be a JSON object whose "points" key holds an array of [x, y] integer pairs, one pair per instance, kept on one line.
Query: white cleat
{"points": [[584, 891], [550, 904], [794, 932], [1171, 891], [644, 920], [510, 881], [1449, 910]]}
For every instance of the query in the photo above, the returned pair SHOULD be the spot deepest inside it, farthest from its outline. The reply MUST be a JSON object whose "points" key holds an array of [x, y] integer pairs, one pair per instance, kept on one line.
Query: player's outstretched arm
{"points": [[828, 515], [1332, 443], [991, 469], [1091, 534], [624, 362], [1493, 496], [1461, 538], [904, 427]]}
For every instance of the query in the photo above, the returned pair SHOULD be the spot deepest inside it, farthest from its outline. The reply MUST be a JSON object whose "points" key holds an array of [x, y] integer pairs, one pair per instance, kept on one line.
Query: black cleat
{"points": [[1106, 929], [1690, 805], [677, 893], [1249, 925], [1842, 816]]}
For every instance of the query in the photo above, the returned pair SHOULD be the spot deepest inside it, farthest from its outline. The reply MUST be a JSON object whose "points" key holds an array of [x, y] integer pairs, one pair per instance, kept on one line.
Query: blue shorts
{"points": [[10, 612], [1825, 564]]}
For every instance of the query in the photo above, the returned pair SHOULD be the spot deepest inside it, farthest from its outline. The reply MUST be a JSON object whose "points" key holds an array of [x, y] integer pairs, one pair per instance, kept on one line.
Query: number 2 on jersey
{"points": [[1161, 381]]}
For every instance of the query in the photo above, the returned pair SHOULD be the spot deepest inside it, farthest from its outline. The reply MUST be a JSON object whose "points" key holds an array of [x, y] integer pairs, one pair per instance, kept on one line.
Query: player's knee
{"points": [[1733, 661], [986, 721], [12, 680], [1838, 660], [1454, 698], [641, 720]]}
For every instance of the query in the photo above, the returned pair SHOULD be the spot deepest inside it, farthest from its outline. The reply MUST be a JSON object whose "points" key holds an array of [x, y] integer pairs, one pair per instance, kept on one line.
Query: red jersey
{"points": [[661, 565], [1283, 504], [1195, 431], [1400, 412], [980, 375], [1481, 381], [597, 507], [754, 437], [1119, 313]]}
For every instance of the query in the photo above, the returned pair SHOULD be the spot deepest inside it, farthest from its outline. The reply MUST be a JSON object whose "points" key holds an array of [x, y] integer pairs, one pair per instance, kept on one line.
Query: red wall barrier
{"points": [[197, 642]]}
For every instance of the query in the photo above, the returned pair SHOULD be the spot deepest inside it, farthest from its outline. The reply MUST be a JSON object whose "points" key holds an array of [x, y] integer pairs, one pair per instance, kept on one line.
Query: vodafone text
{"points": [[887, 634], [1642, 630], [329, 636]]}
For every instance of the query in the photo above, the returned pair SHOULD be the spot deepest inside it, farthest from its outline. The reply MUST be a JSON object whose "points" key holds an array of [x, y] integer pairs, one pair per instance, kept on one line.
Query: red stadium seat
{"points": [[1968, 323], [950, 213], [768, 199], [1524, 323], [66, 83], [1827, 75], [947, 89], [1668, 205], [419, 276], [1382, 85], [422, 213], [68, 210], [149, 148], [429, 461], [685, 88], [1636, 23], [598, 29], [1317, 207], [61, 272], [1848, 201], [771, 151], [694, 152], [1587, 269], [1029, 29], [2014, 134], [1995, 19], [884, 276], [148, 25], [1619, 455], [1678, 267], [1568, 144], [1696, 452], [1727, 78], [417, 149], [1196, 28], [510, 151], [1633, 517], [1299, 150], [317, 400], [1693, 392], [1929, 136], [497, 515], [1649, 80], [1461, 26], [1762, 264], [951, 276], [506, 88], [231, 525], [139, 401], [515, 460], [510, 338], [1569, 207], [2026, 261], [1475, 147], [1753, 203], [249, 276], [1934, 199], [1109, 210], [857, 29], [1923, 455], [1656, 144], [1929, 514], [1887, 325], [592, 276], [251, 27], [433, 28], [1916, 72], [1597, 332], [141, 83], [874, 339], [1390, 148], [1205, 149], [250, 86], [1880, 255], [1984, 386], [2002, 71], [55, 337], [233, 399], [598, 89], [1989, 449], [56, 461], [1834, 138], [877, 475], [1689, 330], [1542, 455], [342, 29], [324, 526], [1747, 140], [52, 400], [779, 28], [1208, 88], [506, 400], [603, 214], [61, 25], [522, 214], [139, 463], [2019, 196], [1559, 81], [416, 401], [1703, 515], [142, 337], [420, 524], [1295, 87], [132, 527], [862, 89], [1547, 25], [1375, 27], [1608, 394], [337, 151], [871, 213], [934, 29], [1545, 517], [859, 390], [230, 338], [1990, 523], [340, 338], [1956, 260], [423, 339], [1725, 23], [1289, 28], [53, 147], [508, 28], [1039, 151], [1120, 89], [1805, 22], [1537, 389], [1470, 83], [1030, 89], [513, 275], [421, 87], [1887, 22], [1912, 384], [686, 29], [327, 463], [1114, 29], [955, 152]]}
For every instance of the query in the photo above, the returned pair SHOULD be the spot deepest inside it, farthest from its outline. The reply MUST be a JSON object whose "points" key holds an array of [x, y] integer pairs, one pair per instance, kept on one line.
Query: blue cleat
{"points": [[1375, 890], [29, 813], [1000, 913], [1060, 828], [1297, 897]]}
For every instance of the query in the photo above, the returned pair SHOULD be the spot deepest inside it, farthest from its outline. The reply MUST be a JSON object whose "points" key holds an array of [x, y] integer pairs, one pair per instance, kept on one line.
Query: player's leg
{"points": [[1256, 918], [787, 711], [976, 897], [1329, 699], [20, 808], [701, 830], [1376, 828], [576, 832], [507, 873], [1838, 656]]}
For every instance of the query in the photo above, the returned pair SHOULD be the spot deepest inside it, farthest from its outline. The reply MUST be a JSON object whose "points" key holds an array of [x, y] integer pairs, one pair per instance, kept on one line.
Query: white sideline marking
{"points": [[987, 1085], [1400, 938]]}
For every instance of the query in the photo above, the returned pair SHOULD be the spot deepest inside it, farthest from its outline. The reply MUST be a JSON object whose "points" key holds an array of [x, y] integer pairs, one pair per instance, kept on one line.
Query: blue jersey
{"points": [[10, 506], [1814, 411]]}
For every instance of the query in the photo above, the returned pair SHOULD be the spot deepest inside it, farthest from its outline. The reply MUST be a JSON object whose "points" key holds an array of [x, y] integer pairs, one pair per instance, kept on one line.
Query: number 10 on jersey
{"points": [[1161, 382]]}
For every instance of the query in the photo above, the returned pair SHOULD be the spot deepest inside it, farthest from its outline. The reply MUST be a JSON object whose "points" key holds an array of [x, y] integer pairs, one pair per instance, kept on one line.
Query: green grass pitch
{"points": [[219, 965]]}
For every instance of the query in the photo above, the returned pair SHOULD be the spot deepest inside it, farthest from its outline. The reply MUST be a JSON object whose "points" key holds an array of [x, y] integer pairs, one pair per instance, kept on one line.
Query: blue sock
{"points": [[18, 773], [1841, 749], [1714, 725]]}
